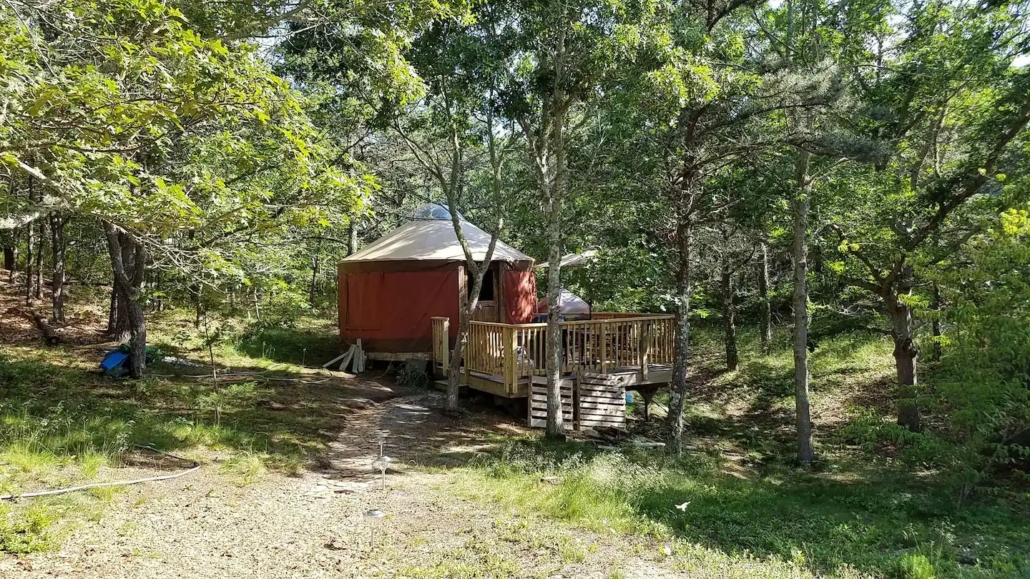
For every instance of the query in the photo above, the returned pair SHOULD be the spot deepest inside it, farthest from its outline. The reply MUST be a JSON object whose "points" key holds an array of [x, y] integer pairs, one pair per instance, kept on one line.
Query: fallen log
{"points": [[46, 331]]}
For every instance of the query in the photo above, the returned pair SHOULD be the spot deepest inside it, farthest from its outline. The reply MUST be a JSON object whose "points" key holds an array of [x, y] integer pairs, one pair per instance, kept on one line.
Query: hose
{"points": [[194, 468]]}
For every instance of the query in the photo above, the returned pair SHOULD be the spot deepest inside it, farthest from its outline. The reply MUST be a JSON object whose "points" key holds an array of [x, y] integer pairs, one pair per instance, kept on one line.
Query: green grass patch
{"points": [[792, 520], [474, 559], [872, 504], [27, 530]]}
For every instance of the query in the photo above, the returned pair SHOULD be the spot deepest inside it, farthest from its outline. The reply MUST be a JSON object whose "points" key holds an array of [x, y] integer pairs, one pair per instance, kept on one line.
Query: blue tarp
{"points": [[113, 360]]}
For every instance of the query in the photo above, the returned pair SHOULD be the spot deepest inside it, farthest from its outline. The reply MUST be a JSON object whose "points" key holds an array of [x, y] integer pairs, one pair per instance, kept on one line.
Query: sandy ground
{"points": [[313, 525]]}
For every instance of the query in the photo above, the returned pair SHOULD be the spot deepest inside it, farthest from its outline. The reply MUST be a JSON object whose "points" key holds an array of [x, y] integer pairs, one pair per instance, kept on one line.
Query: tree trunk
{"points": [[159, 290], [50, 337], [555, 418], [122, 326], [37, 286], [352, 237], [454, 366], [803, 420], [122, 329], [30, 242], [198, 306], [257, 306], [127, 284], [469, 303], [680, 384], [112, 312], [766, 305], [10, 257], [729, 315], [314, 274], [935, 304], [57, 246], [905, 357]]}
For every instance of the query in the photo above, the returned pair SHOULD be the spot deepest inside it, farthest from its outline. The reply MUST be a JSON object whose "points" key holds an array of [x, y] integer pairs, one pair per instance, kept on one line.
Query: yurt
{"points": [[390, 290], [572, 306]]}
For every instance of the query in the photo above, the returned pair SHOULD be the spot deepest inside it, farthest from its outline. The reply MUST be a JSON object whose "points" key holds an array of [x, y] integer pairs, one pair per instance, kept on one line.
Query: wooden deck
{"points": [[504, 359]]}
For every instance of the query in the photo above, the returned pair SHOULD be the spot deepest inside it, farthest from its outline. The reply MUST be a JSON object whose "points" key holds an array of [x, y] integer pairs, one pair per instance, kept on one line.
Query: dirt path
{"points": [[312, 525]]}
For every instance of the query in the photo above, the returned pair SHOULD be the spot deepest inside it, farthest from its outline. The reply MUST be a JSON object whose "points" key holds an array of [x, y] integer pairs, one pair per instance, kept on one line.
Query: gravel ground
{"points": [[312, 525]]}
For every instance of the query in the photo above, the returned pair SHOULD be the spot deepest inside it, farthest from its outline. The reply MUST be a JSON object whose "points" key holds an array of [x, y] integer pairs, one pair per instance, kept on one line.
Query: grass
{"points": [[743, 504], [472, 560], [61, 423]]}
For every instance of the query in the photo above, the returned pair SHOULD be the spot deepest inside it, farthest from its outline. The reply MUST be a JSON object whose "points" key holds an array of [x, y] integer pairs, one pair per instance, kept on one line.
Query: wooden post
{"points": [[645, 347], [575, 401], [445, 342], [604, 347], [510, 369]]}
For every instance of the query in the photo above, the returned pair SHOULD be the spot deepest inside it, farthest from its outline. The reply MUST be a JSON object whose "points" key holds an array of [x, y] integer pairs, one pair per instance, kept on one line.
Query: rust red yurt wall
{"points": [[519, 296], [391, 310]]}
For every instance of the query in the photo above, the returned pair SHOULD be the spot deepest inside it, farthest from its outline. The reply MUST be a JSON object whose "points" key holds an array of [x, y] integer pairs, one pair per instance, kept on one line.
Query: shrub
{"points": [[26, 531], [413, 375], [874, 433], [983, 383], [913, 566]]}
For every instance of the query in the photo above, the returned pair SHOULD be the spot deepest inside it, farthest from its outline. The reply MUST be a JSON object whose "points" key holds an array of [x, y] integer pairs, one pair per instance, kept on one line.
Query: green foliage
{"points": [[913, 566], [784, 517], [412, 374], [247, 468], [303, 346], [984, 377], [26, 530], [874, 434]]}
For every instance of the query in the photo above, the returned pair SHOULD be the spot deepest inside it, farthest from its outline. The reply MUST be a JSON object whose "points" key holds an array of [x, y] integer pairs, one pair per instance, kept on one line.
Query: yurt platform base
{"points": [[398, 356], [494, 383]]}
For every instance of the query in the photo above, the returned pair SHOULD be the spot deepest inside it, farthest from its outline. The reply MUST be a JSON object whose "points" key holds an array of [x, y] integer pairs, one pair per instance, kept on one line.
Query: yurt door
{"points": [[488, 309]]}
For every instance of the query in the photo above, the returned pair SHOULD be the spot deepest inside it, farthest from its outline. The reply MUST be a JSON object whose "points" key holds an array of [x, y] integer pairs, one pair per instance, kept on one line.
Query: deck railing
{"points": [[517, 352]]}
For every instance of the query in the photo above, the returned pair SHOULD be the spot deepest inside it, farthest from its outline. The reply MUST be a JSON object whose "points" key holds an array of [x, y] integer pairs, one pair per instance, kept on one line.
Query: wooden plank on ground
{"points": [[347, 358], [338, 358]]}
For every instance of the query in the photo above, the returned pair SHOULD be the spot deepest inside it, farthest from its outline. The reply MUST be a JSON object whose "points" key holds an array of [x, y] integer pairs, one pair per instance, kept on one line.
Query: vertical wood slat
{"points": [[490, 349], [645, 347], [441, 343]]}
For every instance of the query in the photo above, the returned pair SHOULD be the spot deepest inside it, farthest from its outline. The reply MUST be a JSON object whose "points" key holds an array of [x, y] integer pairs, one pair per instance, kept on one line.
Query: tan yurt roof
{"points": [[433, 239]]}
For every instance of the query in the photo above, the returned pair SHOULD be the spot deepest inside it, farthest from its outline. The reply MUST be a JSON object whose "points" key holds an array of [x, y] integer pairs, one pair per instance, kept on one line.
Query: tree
{"points": [[562, 53], [697, 110], [458, 119], [943, 111], [983, 385], [122, 122]]}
